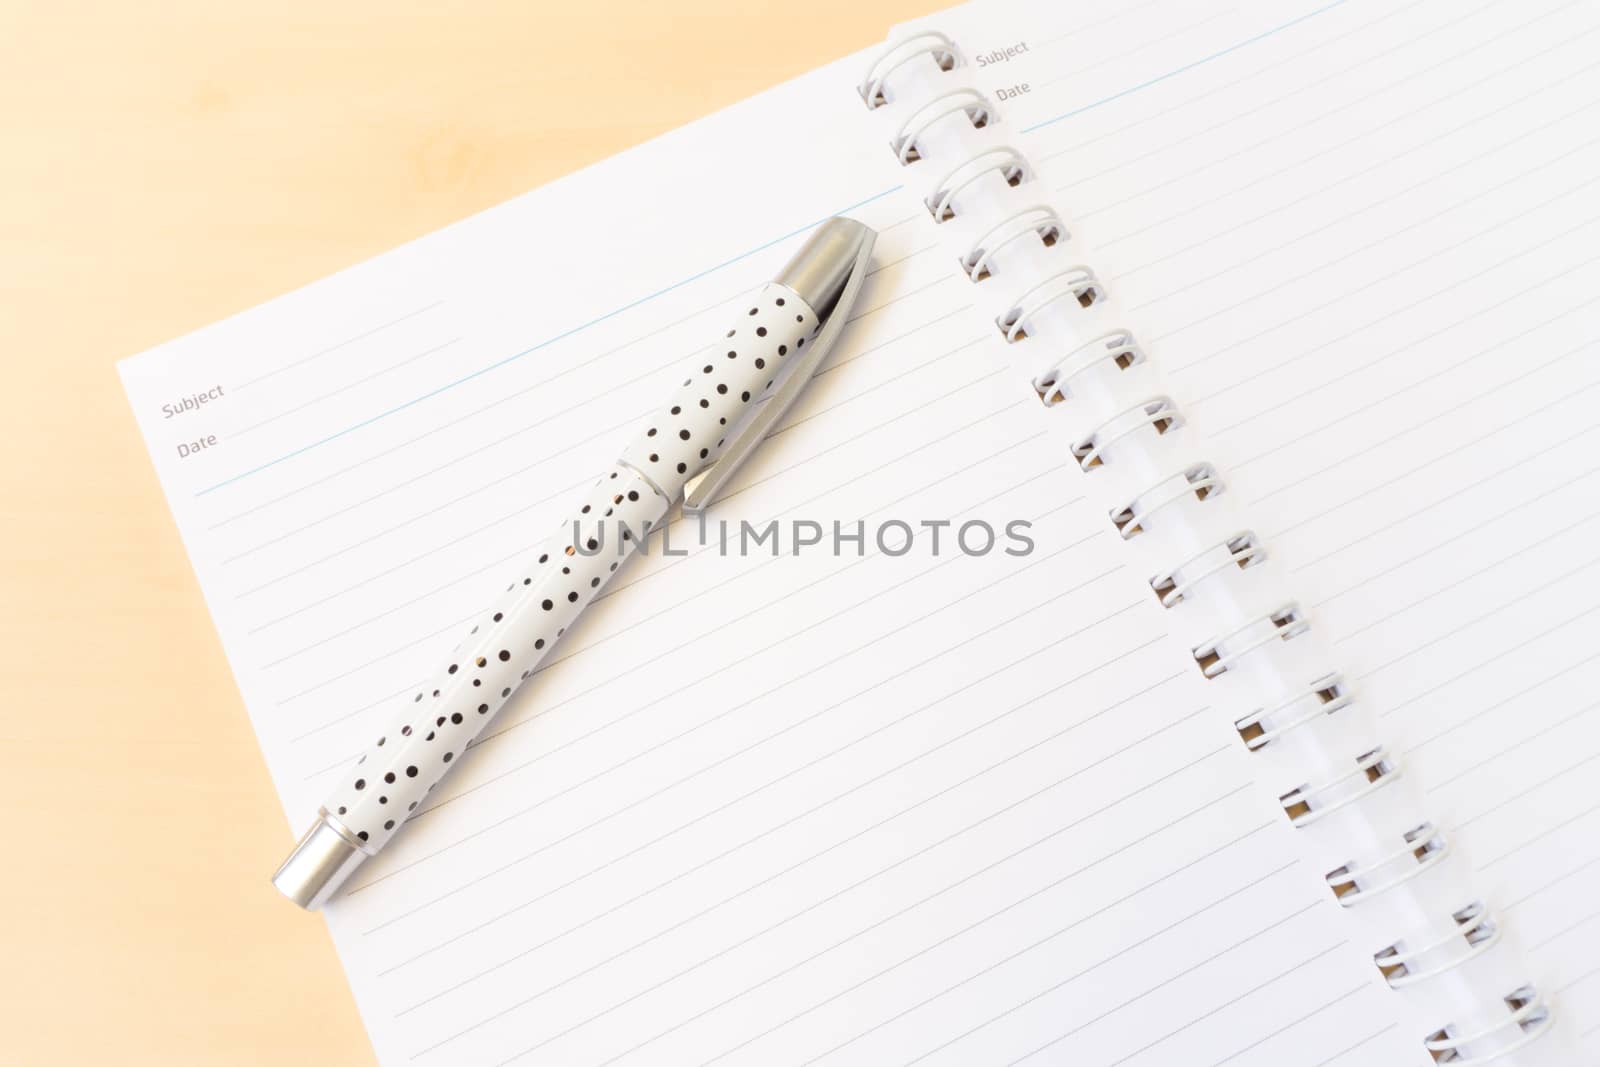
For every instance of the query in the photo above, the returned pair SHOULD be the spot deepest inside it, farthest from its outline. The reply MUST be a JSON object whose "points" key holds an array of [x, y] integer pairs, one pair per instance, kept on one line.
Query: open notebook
{"points": [[935, 808]]}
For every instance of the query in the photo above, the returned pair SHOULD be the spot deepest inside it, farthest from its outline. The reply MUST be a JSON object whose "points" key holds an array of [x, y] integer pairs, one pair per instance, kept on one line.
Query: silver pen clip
{"points": [[827, 273]]}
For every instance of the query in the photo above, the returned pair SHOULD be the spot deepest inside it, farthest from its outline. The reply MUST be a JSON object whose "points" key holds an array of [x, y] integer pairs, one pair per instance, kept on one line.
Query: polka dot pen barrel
{"points": [[690, 447]]}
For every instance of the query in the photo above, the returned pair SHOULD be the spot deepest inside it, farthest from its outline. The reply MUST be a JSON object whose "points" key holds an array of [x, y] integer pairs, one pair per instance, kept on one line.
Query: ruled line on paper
{"points": [[1298, 1020], [616, 587], [886, 506], [1421, 383], [517, 768], [829, 848], [754, 701], [769, 830], [455, 626], [1351, 1048], [1227, 386], [1542, 835], [1055, 832], [592, 645], [676, 360], [833, 363], [1480, 665], [1389, 116], [1438, 783], [1457, 583], [770, 475], [630, 421], [881, 922], [1551, 884], [1193, 968], [1366, 535], [1122, 57], [522, 509], [1369, 282], [1388, 197], [789, 635], [1584, 977], [533, 348], [301, 406], [1192, 134], [660, 570], [1122, 129], [1080, 28], [386, 698], [341, 344], [1183, 69], [1435, 416], [1565, 931], [476, 412], [1483, 617], [1466, 531], [1480, 713], [1308, 961], [1549, 777], [1037, 943]]}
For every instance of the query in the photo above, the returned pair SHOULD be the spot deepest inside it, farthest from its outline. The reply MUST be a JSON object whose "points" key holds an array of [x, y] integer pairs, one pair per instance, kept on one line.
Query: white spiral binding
{"points": [[1005, 159], [1158, 412], [940, 47], [1243, 550], [1039, 219], [1530, 1019], [1308, 804], [1324, 696], [1472, 926], [1281, 624], [1198, 480], [1356, 883], [1423, 847], [1078, 282], [974, 103], [1117, 346]]}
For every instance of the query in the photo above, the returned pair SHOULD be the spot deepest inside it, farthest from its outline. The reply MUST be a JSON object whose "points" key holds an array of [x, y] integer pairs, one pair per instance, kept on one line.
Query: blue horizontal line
{"points": [[1185, 68], [542, 344]]}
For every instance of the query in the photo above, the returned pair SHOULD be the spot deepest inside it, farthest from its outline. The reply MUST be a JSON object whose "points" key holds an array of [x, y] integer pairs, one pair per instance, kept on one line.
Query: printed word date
{"points": [[195, 447]]}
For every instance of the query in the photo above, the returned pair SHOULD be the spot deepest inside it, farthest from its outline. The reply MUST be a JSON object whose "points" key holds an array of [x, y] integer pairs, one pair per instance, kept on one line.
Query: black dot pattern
{"points": [[502, 648], [687, 435]]}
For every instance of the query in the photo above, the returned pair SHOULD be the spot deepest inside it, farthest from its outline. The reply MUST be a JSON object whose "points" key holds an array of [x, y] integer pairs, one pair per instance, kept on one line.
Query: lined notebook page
{"points": [[1360, 236], [919, 808]]}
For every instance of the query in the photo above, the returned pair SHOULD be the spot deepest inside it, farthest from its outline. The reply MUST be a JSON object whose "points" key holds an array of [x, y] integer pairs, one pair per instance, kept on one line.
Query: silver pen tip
{"points": [[819, 272]]}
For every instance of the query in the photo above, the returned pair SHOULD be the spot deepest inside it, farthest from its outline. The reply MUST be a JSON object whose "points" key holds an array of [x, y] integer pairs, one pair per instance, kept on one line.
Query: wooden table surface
{"points": [[162, 165]]}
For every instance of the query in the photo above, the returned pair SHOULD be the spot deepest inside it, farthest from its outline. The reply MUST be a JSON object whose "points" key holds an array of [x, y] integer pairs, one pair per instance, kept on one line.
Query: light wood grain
{"points": [[164, 164]]}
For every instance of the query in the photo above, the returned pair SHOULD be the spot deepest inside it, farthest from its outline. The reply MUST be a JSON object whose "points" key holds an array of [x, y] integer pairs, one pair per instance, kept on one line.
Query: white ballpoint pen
{"points": [[708, 427]]}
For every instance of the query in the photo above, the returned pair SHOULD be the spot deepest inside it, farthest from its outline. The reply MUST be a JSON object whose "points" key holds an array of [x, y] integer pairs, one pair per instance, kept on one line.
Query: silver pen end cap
{"points": [[318, 866], [819, 272]]}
